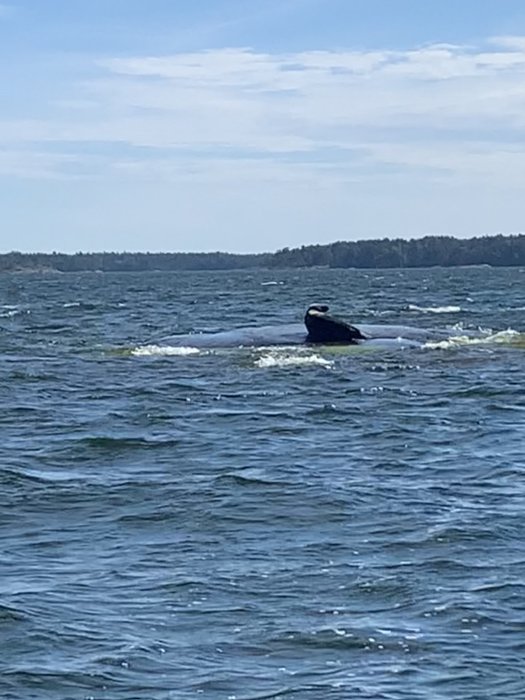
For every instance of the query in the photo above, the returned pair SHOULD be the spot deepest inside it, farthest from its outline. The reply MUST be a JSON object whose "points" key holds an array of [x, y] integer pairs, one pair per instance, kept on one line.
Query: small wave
{"points": [[71, 304], [271, 283], [508, 337], [290, 359], [10, 613], [378, 313], [435, 309], [108, 443], [164, 350], [249, 477], [8, 311]]}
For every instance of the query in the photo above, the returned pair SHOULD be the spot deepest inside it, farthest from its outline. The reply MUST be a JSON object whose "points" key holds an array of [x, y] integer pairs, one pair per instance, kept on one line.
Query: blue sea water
{"points": [[249, 523]]}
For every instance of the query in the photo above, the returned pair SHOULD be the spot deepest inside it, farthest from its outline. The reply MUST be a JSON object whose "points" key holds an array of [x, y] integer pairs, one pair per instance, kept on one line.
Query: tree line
{"points": [[445, 251]]}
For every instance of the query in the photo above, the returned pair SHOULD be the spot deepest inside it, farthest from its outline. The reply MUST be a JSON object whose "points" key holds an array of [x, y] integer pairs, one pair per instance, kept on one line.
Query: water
{"points": [[261, 523]]}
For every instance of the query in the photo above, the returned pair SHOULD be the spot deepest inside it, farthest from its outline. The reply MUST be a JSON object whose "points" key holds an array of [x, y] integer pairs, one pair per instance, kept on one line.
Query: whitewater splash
{"points": [[12, 310], [508, 337], [270, 357], [435, 309], [164, 350], [280, 358]]}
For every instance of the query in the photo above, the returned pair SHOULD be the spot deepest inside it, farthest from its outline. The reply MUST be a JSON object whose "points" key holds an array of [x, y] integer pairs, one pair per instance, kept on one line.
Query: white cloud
{"points": [[446, 110], [38, 165], [244, 99], [509, 42]]}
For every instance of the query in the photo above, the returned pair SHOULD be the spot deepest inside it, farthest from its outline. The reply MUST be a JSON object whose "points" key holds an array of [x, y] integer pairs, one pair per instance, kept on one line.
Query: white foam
{"points": [[152, 350], [435, 309], [291, 359], [508, 337]]}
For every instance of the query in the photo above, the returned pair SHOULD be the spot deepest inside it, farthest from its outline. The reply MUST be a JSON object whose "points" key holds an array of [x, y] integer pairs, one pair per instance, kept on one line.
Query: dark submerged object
{"points": [[321, 329]]}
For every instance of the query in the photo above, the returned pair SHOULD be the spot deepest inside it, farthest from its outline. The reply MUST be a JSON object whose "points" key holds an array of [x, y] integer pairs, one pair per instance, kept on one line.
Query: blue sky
{"points": [[250, 125]]}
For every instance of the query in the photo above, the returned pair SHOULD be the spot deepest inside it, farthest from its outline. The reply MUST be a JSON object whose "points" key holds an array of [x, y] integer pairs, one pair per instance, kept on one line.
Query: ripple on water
{"points": [[288, 522]]}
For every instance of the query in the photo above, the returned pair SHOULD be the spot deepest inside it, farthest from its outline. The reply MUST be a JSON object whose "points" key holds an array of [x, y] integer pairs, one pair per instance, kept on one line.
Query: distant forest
{"points": [[429, 251]]}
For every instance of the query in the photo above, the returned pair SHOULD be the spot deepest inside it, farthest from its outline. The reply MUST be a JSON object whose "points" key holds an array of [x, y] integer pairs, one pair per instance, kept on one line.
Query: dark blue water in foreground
{"points": [[261, 523]]}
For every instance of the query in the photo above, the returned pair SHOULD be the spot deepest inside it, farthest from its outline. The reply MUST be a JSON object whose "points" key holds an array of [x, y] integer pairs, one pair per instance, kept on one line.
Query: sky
{"points": [[253, 125]]}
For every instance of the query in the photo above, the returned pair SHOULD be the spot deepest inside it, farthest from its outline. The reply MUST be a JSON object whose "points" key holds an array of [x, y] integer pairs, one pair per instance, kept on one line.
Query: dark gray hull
{"points": [[295, 334]]}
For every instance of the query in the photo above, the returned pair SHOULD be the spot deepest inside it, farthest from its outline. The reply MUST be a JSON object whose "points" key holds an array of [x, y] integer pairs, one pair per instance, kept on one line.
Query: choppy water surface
{"points": [[261, 523]]}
